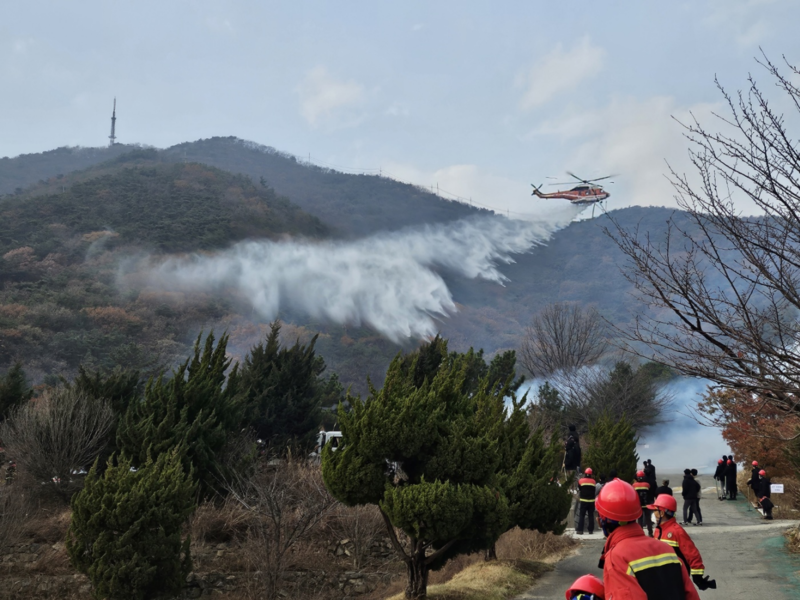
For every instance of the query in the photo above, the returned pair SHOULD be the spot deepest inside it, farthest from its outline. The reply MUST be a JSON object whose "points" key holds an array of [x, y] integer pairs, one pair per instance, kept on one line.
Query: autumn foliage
{"points": [[754, 429]]}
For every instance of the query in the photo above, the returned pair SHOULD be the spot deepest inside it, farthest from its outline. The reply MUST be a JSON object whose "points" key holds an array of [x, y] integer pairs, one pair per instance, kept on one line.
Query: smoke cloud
{"points": [[389, 281], [683, 443]]}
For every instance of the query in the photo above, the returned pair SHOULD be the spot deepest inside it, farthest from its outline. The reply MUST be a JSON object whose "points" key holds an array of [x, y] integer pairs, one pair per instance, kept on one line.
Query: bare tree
{"points": [[563, 336], [287, 501], [724, 290], [55, 437], [590, 392], [362, 525]]}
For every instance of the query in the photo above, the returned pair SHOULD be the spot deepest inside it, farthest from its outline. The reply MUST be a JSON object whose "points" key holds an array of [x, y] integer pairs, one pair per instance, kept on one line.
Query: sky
{"points": [[479, 98]]}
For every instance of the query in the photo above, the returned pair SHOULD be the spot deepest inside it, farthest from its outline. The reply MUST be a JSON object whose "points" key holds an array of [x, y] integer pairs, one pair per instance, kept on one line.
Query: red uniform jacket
{"points": [[671, 532], [637, 567]]}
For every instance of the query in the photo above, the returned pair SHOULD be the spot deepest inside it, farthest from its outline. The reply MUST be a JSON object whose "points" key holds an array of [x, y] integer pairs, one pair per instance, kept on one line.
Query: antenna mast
{"points": [[113, 137]]}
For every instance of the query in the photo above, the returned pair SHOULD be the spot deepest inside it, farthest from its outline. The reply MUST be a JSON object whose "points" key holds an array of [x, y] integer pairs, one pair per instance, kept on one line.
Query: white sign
{"points": [[776, 488]]}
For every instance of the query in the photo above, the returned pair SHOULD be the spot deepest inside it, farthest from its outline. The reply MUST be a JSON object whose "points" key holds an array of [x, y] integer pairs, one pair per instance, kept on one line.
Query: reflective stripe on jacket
{"points": [[636, 567], [671, 532], [588, 489]]}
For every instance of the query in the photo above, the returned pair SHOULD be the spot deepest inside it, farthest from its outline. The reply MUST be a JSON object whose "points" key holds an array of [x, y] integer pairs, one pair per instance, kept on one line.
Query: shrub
{"points": [[125, 533]]}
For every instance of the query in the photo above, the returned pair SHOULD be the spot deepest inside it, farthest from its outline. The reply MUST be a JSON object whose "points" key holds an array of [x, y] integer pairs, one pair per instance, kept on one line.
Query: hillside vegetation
{"points": [[63, 240], [60, 253]]}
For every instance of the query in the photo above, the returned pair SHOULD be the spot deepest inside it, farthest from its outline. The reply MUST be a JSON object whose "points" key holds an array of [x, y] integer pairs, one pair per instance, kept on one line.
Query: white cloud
{"points": [[638, 139], [325, 99], [744, 20], [560, 71]]}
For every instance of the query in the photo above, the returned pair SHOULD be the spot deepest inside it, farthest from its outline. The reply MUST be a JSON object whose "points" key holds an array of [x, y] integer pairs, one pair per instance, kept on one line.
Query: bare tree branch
{"points": [[561, 337]]}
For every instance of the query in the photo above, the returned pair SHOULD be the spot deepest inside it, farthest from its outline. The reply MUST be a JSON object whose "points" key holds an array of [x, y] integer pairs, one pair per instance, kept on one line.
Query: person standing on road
{"points": [[650, 474], [698, 490], [664, 488], [719, 479], [669, 531], [636, 567], [764, 493], [642, 488], [730, 478], [689, 494], [586, 498]]}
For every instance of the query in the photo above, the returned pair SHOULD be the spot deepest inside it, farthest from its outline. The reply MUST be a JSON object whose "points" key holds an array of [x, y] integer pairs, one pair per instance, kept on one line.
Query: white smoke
{"points": [[388, 281], [682, 442]]}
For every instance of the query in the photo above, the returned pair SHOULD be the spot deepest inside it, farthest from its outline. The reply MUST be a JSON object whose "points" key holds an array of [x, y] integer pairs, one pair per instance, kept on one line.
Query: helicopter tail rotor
{"points": [[536, 190]]}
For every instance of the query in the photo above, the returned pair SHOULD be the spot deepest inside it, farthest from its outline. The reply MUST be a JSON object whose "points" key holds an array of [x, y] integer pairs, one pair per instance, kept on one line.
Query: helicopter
{"points": [[588, 192]]}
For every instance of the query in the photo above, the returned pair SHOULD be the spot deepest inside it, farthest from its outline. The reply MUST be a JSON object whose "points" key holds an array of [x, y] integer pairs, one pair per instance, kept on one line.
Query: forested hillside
{"points": [[60, 254], [64, 239], [354, 205]]}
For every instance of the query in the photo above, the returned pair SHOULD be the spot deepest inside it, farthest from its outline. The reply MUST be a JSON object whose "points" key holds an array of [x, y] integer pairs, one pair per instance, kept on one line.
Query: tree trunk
{"points": [[417, 586], [491, 553]]}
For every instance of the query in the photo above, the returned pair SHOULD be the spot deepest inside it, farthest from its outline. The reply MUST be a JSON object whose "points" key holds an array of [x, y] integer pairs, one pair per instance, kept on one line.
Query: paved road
{"points": [[740, 550]]}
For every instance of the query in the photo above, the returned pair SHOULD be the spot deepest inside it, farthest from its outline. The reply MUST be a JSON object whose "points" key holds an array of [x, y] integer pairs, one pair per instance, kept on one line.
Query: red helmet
{"points": [[640, 473], [588, 584], [719, 462], [618, 501], [762, 472], [729, 462], [665, 502], [755, 463], [588, 472]]}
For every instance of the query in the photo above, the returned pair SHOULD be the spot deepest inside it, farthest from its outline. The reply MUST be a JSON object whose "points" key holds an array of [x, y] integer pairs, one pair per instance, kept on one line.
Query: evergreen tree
{"points": [[427, 449], [612, 445], [14, 390], [199, 407], [125, 532], [285, 390], [528, 476]]}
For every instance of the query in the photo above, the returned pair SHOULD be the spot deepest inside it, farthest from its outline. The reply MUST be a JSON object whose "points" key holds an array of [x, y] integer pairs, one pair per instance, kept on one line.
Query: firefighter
{"points": [[635, 566], [586, 499], [586, 587], [719, 479], [668, 530], [730, 479], [764, 493], [642, 488]]}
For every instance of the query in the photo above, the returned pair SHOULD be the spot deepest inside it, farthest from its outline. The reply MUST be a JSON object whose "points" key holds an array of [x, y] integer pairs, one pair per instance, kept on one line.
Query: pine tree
{"points": [[528, 476], [285, 390], [125, 532], [612, 445], [14, 390], [427, 449], [198, 407]]}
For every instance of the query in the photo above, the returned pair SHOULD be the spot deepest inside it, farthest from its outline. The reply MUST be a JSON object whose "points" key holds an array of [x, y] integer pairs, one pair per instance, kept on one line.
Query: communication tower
{"points": [[113, 137]]}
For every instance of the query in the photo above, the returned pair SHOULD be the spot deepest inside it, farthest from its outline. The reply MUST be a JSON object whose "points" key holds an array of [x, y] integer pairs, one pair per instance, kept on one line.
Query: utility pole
{"points": [[113, 137]]}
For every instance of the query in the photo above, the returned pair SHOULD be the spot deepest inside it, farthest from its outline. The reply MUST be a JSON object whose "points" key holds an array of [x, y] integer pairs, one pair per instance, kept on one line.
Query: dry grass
{"points": [[522, 557], [497, 580], [522, 544]]}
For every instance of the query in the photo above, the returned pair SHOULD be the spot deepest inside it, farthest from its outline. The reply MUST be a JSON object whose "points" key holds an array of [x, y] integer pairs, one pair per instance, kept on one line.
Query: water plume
{"points": [[388, 281]]}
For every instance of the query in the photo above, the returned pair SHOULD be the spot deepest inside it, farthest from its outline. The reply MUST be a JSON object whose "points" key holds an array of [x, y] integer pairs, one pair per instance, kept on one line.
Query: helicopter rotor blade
{"points": [[601, 178], [571, 174]]}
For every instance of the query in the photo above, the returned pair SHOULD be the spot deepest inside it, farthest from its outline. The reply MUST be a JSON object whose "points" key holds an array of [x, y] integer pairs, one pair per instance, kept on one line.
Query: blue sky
{"points": [[481, 98]]}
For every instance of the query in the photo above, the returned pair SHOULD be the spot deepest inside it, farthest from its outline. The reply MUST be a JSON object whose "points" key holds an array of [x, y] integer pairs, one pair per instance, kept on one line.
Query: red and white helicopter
{"points": [[588, 192]]}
